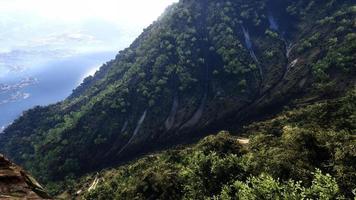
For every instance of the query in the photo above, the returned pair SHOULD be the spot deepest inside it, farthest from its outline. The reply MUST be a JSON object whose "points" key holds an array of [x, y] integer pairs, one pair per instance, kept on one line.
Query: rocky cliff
{"points": [[15, 183]]}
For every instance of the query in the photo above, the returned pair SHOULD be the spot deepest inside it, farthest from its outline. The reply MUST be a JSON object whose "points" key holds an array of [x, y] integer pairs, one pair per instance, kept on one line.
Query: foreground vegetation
{"points": [[308, 152]]}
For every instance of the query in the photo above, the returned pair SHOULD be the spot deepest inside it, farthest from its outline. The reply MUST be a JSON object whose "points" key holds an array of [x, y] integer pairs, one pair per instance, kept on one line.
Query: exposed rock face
{"points": [[15, 183]]}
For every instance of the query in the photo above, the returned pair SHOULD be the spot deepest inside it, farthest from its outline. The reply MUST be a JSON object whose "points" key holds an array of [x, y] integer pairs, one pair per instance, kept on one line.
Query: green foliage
{"points": [[221, 143], [323, 187], [195, 48], [176, 174], [265, 187], [338, 56], [316, 136], [205, 174], [307, 158], [271, 34]]}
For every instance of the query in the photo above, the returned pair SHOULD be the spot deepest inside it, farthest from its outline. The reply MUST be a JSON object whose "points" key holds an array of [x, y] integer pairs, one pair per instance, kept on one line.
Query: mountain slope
{"points": [[202, 67], [307, 152]]}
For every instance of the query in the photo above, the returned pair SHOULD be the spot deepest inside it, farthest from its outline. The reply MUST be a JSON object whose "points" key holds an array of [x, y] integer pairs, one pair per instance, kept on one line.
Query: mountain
{"points": [[15, 183], [307, 152], [202, 67]]}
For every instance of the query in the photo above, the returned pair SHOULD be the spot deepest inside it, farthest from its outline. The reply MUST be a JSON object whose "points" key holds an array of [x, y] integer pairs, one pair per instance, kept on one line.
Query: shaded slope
{"points": [[283, 156]]}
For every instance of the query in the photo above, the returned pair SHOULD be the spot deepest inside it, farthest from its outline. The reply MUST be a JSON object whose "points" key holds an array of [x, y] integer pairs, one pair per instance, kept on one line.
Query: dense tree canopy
{"points": [[295, 155], [205, 66]]}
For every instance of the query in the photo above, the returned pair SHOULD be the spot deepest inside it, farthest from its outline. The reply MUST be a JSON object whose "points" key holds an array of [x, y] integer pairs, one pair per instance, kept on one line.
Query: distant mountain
{"points": [[204, 66]]}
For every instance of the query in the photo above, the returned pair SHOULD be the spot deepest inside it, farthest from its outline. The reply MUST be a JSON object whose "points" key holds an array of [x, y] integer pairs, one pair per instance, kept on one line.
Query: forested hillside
{"points": [[307, 152], [202, 67]]}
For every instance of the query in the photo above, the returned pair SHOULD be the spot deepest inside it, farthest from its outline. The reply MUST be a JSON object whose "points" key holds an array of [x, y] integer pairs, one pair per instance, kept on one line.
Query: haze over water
{"points": [[48, 47]]}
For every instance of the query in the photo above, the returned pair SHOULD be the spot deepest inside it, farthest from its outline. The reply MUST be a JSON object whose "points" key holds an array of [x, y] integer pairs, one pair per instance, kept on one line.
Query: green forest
{"points": [[278, 76], [302, 153]]}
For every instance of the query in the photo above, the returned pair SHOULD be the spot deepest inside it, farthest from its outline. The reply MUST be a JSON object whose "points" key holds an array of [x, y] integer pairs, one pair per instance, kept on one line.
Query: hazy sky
{"points": [[47, 47], [32, 28]]}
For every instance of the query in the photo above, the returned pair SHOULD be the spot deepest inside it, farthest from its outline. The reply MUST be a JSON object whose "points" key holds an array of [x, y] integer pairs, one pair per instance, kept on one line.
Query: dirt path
{"points": [[243, 141]]}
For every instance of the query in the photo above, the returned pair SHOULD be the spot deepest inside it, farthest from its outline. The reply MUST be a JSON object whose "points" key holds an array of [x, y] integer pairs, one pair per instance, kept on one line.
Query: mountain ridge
{"points": [[204, 66]]}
